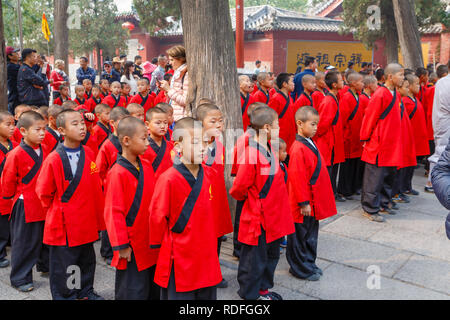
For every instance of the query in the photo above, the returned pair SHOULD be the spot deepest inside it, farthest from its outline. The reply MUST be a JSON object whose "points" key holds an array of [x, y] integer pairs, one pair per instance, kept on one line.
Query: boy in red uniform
{"points": [[282, 103], [6, 145], [63, 95], [106, 158], [352, 113], [18, 111], [382, 138], [213, 126], [19, 178], [329, 137], [80, 100], [321, 90], [129, 188], [160, 149], [311, 197], [104, 88], [266, 217], [87, 84], [95, 99], [69, 188], [137, 111], [102, 129], [182, 222], [167, 108], [265, 84], [125, 93], [246, 88], [115, 99], [144, 98], [305, 99], [52, 135]]}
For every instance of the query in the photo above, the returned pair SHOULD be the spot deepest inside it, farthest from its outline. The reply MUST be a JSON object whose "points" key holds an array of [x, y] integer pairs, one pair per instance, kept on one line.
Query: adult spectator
{"points": [[258, 68], [138, 71], [310, 68], [149, 67], [129, 77], [117, 65], [158, 74], [13, 66], [43, 69], [109, 73], [85, 72], [441, 118], [59, 77], [177, 90], [30, 85], [440, 177], [350, 66]]}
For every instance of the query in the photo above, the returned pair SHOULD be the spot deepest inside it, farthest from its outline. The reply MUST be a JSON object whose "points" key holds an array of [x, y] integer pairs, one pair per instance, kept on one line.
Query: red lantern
{"points": [[128, 25]]}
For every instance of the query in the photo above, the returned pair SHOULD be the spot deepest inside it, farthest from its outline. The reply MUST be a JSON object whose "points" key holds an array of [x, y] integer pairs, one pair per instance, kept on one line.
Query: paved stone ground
{"points": [[411, 250]]}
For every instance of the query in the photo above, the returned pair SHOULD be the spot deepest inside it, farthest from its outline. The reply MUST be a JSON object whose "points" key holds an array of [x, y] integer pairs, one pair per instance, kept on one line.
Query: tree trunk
{"points": [[61, 32], [391, 48], [3, 71], [210, 53], [408, 33]]}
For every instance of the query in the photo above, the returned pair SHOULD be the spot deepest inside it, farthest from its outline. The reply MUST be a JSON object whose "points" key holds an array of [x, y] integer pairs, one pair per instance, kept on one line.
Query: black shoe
{"points": [[108, 261], [319, 271], [394, 206], [94, 296], [358, 192], [4, 263], [26, 287], [349, 198], [275, 296], [429, 189], [223, 284], [338, 198], [412, 192], [388, 211]]}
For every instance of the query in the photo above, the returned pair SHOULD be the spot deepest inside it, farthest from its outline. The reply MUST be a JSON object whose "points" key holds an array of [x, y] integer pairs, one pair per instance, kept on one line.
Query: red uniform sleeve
{"points": [[298, 178], [102, 163], [10, 178], [371, 116], [160, 211], [245, 178], [115, 211], [326, 115], [45, 184]]}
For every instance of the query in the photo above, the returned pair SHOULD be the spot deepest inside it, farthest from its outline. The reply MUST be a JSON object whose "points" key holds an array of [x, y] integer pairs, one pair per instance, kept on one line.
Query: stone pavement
{"points": [[410, 250]]}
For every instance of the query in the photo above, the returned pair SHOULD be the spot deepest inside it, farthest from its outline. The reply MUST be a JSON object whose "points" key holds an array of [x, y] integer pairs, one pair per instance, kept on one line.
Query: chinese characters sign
{"points": [[337, 54]]}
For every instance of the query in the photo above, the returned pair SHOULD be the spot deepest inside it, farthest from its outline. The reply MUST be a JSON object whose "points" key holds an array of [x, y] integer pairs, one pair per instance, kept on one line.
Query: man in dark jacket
{"points": [[440, 178], [310, 68], [13, 66], [30, 85]]}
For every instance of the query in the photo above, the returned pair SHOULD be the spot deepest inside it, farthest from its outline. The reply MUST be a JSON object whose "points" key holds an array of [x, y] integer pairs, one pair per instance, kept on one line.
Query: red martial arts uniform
{"points": [[80, 102], [146, 102], [182, 225], [408, 143], [103, 95], [92, 103], [303, 100], [161, 97], [113, 101], [317, 97], [127, 100], [261, 96], [352, 114], [107, 156], [74, 203], [17, 136], [5, 205], [128, 194], [51, 140], [429, 101], [246, 101], [87, 95], [260, 182], [416, 114], [239, 150], [59, 101], [159, 156], [284, 106], [101, 133], [381, 130], [90, 141]]}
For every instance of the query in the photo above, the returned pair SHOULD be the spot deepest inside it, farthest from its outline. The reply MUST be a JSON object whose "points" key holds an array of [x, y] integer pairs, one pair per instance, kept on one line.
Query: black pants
{"points": [[333, 172], [4, 235], [432, 145], [132, 284], [350, 177], [72, 271], [301, 251], [26, 246], [377, 187], [257, 267], [105, 248], [236, 243], [170, 293], [403, 180]]}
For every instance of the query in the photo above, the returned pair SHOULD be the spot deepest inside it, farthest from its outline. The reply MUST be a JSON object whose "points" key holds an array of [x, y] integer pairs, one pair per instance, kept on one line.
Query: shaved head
{"points": [[368, 80], [320, 75], [243, 78], [128, 127], [392, 69], [353, 77], [305, 113], [307, 78]]}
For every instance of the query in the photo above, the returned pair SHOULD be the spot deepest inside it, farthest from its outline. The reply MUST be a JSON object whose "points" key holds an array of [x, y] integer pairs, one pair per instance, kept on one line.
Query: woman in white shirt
{"points": [[130, 78]]}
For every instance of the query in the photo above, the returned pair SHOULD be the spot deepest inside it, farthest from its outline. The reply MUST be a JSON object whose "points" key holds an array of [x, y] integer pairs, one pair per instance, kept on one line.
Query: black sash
{"points": [[86, 139], [267, 95], [246, 100], [5, 151], [288, 101], [139, 175], [57, 138], [74, 181], [97, 102], [81, 102], [402, 109], [188, 206], [89, 95], [167, 135], [336, 117], [309, 98], [160, 152], [106, 130], [366, 95], [269, 156], [316, 172], [391, 105], [116, 100], [414, 110], [37, 162], [144, 100], [104, 94], [355, 110]]}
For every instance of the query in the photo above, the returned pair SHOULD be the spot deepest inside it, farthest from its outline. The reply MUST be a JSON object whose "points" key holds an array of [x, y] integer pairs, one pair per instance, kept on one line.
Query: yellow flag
{"points": [[45, 28]]}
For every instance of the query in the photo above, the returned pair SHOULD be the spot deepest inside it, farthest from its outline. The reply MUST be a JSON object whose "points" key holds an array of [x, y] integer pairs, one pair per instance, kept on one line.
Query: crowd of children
{"points": [[110, 164]]}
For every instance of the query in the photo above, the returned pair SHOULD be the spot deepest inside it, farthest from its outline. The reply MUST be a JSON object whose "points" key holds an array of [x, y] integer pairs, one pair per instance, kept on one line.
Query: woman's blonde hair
{"points": [[59, 62], [177, 52]]}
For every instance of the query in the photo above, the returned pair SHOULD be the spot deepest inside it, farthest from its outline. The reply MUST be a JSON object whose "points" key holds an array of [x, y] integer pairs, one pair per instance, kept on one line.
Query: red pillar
{"points": [[240, 33]]}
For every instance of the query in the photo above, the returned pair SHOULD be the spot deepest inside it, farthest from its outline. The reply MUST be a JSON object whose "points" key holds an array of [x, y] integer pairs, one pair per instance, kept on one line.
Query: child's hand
{"points": [[125, 254], [306, 210], [90, 116]]}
